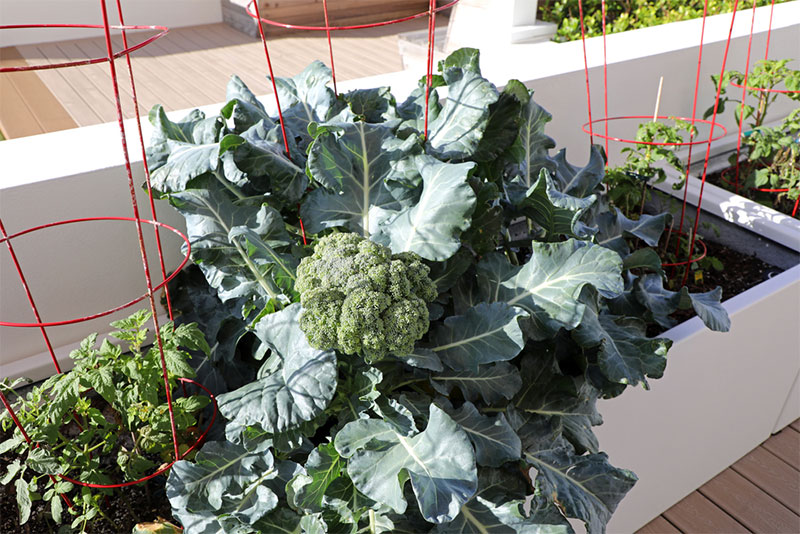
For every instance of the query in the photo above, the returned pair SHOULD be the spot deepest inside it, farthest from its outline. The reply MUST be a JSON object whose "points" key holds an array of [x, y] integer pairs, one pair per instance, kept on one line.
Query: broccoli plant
{"points": [[359, 298], [411, 355]]}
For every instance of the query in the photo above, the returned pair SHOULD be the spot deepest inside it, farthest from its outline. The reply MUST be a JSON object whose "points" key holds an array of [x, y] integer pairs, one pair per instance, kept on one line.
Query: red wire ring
{"points": [[169, 465], [118, 308], [81, 62], [356, 27], [767, 90], [650, 118], [690, 260]]}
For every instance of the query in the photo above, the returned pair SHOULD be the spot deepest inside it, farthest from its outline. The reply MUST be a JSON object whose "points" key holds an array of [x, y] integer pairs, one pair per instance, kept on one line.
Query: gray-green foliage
{"points": [[526, 333]]}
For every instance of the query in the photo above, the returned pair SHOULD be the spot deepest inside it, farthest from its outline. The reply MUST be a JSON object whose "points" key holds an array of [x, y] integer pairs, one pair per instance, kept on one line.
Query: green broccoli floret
{"points": [[359, 298]]}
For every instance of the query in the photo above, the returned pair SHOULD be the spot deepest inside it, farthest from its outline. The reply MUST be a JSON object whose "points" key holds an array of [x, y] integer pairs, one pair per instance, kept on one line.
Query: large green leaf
{"points": [[579, 181], [352, 162], [181, 151], [439, 461], [529, 153], [626, 354], [264, 163], [306, 491], [495, 441], [432, 227], [614, 227], [552, 280], [215, 225], [457, 130], [650, 292], [586, 487], [226, 480], [493, 383], [567, 401], [557, 213], [243, 106], [306, 98], [487, 333], [296, 392]]}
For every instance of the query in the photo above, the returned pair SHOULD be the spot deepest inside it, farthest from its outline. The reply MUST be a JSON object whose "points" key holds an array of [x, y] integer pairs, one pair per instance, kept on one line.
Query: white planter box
{"points": [[721, 396]]}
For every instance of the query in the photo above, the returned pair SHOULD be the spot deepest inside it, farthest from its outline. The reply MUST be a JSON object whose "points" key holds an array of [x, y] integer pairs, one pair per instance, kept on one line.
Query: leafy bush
{"points": [[628, 15], [772, 154], [541, 308], [112, 404]]}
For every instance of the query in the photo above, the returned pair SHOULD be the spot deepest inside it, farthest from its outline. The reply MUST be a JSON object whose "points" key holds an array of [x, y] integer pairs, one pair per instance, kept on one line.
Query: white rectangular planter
{"points": [[722, 395]]}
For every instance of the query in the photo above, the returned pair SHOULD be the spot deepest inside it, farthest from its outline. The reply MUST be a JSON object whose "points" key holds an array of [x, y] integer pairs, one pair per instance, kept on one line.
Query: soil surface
{"points": [[740, 273]]}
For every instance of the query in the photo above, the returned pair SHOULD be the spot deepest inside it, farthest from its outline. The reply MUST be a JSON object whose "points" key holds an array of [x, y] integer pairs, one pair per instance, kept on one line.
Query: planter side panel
{"points": [[791, 410], [719, 399]]}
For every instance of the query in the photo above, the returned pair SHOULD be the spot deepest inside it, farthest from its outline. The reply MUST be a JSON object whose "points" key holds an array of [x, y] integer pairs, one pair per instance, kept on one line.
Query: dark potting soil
{"points": [[740, 273], [783, 205]]}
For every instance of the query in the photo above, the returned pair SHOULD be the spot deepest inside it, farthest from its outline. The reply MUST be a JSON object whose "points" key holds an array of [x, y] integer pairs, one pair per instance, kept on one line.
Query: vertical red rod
{"points": [[586, 75], [710, 137], [144, 162], [769, 30], [605, 74], [744, 96], [272, 77], [330, 45], [13, 415], [429, 71], [30, 297], [691, 133], [796, 205], [135, 205]]}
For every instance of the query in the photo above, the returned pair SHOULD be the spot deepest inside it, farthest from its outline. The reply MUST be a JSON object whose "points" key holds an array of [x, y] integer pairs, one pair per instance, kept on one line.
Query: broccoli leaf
{"points": [[296, 392], [587, 487], [352, 162], [493, 383], [432, 227], [181, 151], [495, 441], [456, 132], [552, 280], [557, 213], [439, 461], [486, 333]]}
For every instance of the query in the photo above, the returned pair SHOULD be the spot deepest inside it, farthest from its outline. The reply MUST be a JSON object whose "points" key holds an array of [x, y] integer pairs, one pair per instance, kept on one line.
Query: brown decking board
{"points": [[759, 493], [697, 513], [786, 446], [190, 67], [27, 107], [659, 525]]}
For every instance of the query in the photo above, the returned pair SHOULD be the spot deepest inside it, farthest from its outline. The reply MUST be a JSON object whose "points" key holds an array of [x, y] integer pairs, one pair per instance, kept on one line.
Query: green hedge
{"points": [[627, 14]]}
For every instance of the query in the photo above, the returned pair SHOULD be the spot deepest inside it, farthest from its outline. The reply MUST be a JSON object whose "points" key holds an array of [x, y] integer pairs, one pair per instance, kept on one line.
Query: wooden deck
{"points": [[760, 494], [186, 68]]}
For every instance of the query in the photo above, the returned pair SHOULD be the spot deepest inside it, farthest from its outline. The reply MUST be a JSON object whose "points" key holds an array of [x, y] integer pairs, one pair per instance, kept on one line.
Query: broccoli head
{"points": [[359, 298]]}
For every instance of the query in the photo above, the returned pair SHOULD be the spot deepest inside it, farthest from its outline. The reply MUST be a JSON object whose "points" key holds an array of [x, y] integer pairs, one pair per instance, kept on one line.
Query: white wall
{"points": [[170, 13]]}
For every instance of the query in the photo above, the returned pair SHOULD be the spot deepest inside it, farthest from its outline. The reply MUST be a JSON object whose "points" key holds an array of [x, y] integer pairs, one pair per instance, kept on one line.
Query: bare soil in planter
{"points": [[770, 200], [741, 273]]}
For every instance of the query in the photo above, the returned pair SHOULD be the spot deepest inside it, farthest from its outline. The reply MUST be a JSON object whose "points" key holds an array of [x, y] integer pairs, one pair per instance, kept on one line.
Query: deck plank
{"points": [[749, 505], [795, 425], [696, 513], [191, 66], [777, 478], [28, 107], [786, 446], [659, 525]]}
